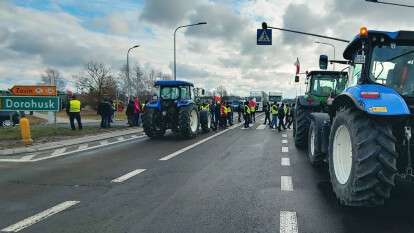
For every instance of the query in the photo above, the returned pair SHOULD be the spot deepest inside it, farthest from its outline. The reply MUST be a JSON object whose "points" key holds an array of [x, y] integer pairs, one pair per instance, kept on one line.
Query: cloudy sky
{"points": [[65, 34]]}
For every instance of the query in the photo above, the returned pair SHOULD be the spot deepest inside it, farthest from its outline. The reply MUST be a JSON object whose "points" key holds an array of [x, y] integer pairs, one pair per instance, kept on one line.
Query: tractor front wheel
{"points": [[362, 159], [301, 126], [205, 121]]}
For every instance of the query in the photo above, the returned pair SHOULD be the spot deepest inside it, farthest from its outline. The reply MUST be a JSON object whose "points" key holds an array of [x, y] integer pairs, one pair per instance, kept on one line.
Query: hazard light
{"points": [[370, 95], [363, 32]]}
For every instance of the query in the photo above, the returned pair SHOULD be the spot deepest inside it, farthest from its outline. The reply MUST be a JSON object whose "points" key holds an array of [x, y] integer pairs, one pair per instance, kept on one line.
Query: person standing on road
{"points": [[73, 110], [137, 110], [223, 115], [281, 116], [289, 117], [105, 111], [252, 105], [240, 111], [274, 116], [246, 114], [130, 113], [266, 109], [229, 114]]}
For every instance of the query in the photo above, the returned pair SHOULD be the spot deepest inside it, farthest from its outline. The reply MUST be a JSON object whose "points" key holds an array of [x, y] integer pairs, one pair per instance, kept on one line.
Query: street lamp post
{"points": [[334, 50], [183, 26], [127, 69], [390, 3]]}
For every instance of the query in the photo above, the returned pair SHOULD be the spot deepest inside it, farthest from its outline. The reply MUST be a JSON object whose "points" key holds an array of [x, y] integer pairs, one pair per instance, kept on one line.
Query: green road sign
{"points": [[29, 103]]}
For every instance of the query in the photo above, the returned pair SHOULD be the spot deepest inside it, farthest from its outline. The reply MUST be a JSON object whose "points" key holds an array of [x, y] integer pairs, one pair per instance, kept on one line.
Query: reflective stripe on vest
{"points": [[75, 106]]}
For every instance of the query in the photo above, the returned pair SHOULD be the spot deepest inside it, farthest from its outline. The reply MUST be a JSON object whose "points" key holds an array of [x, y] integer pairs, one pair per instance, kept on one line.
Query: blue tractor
{"points": [[366, 136], [175, 108]]}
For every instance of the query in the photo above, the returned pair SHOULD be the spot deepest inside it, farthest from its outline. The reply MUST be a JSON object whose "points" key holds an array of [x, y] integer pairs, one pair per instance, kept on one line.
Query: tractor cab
{"points": [[324, 84]]}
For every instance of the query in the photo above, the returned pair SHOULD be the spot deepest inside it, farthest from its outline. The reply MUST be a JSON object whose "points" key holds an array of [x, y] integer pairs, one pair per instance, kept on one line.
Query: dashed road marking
{"points": [[284, 135], [127, 176], [285, 149], [178, 152], [285, 162], [59, 151], [83, 147], [284, 141], [39, 217], [288, 222], [29, 157], [286, 183], [261, 127]]}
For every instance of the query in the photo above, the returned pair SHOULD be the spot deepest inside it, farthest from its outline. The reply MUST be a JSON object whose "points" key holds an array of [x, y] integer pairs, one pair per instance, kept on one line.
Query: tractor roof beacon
{"points": [[366, 137], [175, 109]]}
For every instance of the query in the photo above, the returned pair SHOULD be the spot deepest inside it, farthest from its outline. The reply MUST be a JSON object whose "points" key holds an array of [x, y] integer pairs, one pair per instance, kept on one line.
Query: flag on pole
{"points": [[297, 64]]}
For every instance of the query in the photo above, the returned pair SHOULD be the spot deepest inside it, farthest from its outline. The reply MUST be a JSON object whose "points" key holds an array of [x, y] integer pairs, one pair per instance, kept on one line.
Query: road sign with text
{"points": [[264, 37], [24, 90], [30, 103]]}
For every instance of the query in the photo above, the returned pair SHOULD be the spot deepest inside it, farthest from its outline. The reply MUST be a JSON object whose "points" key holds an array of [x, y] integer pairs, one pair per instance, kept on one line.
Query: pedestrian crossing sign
{"points": [[264, 37]]}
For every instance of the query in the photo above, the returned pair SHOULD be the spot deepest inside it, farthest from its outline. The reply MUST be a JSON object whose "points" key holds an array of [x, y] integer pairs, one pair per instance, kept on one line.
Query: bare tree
{"points": [[53, 76], [221, 91]]}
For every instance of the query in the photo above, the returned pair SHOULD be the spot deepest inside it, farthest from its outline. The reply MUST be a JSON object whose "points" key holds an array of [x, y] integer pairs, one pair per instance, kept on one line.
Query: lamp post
{"points": [[127, 69], [390, 3], [334, 50], [183, 26]]}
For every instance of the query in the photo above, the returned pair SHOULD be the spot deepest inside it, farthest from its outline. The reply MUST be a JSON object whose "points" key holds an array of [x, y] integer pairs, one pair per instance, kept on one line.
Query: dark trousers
{"points": [[136, 119], [289, 121], [267, 118], [230, 118], [246, 120], [239, 116], [253, 117], [105, 121], [281, 124], [72, 117]]}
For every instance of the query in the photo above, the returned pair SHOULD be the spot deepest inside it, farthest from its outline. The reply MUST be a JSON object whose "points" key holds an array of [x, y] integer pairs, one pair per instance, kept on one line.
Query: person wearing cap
{"points": [[73, 110]]}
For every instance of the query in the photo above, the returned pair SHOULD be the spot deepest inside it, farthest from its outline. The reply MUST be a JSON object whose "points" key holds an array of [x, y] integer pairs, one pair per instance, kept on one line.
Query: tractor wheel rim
{"points": [[193, 121], [342, 154], [312, 142]]}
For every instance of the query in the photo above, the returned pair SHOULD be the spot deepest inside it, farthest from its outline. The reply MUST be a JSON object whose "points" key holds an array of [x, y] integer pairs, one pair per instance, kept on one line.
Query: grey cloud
{"points": [[185, 71], [167, 13]]}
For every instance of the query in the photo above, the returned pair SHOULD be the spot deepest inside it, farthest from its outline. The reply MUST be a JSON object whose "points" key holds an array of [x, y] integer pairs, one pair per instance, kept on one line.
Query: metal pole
{"points": [[127, 69], [175, 53], [310, 34], [390, 3]]}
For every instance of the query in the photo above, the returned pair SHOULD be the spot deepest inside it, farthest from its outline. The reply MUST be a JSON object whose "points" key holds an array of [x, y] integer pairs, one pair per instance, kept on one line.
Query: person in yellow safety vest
{"points": [[246, 115], [274, 111], [73, 110], [253, 113], [229, 115], [286, 109], [205, 106]]}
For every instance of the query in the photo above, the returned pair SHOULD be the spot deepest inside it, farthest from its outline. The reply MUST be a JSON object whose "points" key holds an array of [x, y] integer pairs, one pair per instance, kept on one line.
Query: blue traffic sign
{"points": [[264, 36]]}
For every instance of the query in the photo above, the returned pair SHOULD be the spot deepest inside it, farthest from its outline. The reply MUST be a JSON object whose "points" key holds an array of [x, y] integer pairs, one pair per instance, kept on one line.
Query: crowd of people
{"points": [[279, 116]]}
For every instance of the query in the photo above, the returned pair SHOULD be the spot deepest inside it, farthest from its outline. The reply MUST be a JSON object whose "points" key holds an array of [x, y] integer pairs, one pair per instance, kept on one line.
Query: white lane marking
{"points": [[286, 183], [261, 127], [39, 217], [134, 136], [83, 147], [127, 176], [285, 162], [69, 152], [288, 222], [285, 149], [178, 152], [121, 138], [285, 141], [103, 142], [59, 151], [28, 157], [284, 135]]}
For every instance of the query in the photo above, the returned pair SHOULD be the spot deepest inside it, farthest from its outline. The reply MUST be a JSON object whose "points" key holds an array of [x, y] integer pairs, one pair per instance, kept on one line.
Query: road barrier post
{"points": [[25, 131]]}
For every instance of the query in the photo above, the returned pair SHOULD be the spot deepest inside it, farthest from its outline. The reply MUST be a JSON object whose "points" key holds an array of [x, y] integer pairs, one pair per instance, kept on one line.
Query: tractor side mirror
{"points": [[203, 92], [323, 62], [296, 78]]}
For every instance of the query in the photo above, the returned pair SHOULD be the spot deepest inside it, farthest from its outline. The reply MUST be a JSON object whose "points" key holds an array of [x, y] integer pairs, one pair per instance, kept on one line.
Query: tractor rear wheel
{"points": [[152, 124], [362, 159], [188, 121], [205, 121], [301, 126], [314, 152]]}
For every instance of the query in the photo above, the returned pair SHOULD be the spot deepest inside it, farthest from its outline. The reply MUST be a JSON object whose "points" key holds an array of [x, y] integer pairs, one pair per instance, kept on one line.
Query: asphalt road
{"points": [[232, 182]]}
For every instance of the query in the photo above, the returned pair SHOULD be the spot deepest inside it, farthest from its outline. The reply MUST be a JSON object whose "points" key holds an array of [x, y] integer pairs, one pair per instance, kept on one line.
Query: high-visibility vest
{"points": [[274, 110], [253, 109], [228, 109], [205, 107], [75, 106], [246, 109], [286, 110]]}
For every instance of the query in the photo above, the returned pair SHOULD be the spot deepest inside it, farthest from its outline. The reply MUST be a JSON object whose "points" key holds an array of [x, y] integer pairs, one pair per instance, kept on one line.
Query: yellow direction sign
{"points": [[23, 90]]}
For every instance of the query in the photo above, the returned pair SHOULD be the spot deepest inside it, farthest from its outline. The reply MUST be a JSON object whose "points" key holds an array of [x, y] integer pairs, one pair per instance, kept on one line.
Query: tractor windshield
{"points": [[170, 93], [325, 84], [393, 66]]}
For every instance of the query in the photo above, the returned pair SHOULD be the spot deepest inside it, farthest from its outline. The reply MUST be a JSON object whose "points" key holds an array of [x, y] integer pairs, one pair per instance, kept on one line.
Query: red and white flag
{"points": [[297, 64]]}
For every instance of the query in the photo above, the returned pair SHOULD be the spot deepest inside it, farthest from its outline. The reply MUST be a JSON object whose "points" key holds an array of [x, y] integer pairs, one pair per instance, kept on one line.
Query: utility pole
{"points": [[127, 70]]}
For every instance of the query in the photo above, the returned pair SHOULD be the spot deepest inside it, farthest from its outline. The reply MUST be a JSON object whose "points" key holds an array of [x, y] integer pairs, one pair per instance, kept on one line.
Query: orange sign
{"points": [[34, 90]]}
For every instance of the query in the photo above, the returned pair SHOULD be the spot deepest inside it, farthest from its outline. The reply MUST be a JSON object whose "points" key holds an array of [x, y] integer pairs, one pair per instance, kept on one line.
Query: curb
{"points": [[60, 144]]}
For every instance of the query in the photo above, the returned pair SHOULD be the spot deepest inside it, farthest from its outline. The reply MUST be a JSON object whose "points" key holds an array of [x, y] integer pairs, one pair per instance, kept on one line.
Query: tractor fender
{"points": [[303, 100], [184, 103], [322, 123], [389, 102], [154, 104]]}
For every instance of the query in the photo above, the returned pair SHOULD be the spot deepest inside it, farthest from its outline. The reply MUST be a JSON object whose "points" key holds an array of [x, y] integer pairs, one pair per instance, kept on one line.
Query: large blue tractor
{"points": [[366, 137], [175, 109]]}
